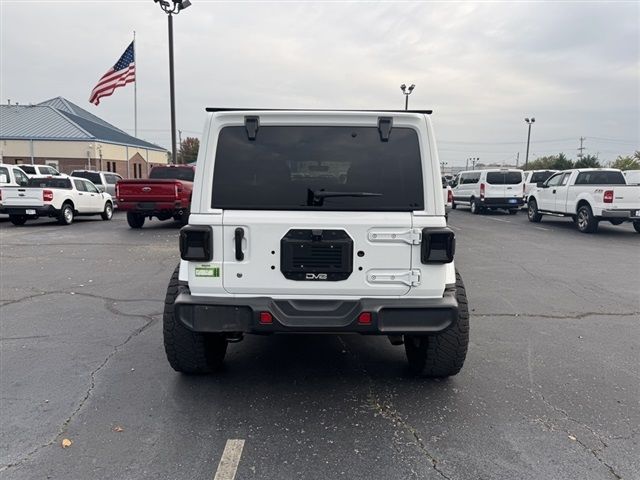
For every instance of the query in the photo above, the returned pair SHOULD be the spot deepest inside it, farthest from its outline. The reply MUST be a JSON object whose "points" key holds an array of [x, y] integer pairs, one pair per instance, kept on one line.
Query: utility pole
{"points": [[517, 159], [526, 158], [180, 144], [581, 149]]}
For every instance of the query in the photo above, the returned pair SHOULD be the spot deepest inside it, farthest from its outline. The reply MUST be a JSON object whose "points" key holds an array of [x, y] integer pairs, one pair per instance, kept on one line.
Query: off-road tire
{"points": [[135, 220], [188, 351], [66, 214], [107, 214], [18, 220], [442, 355], [585, 221], [636, 225], [532, 212]]}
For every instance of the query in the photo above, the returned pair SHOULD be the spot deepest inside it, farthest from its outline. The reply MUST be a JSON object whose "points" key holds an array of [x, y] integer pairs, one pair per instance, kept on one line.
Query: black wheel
{"points": [[585, 220], [453, 205], [187, 351], [636, 225], [475, 207], [532, 212], [513, 211], [66, 214], [616, 221], [135, 220], [442, 355], [18, 219], [107, 214]]}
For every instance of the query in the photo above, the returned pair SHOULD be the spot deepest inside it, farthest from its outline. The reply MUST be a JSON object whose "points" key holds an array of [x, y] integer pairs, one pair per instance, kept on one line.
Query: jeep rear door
{"points": [[317, 210]]}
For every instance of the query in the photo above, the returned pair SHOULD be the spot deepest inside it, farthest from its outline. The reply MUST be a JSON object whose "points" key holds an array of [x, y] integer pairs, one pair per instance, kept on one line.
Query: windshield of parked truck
{"points": [[504, 178], [291, 167], [541, 176], [173, 173]]}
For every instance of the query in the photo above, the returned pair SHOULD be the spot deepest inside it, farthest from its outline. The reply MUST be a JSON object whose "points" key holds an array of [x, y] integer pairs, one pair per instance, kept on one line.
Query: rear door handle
{"points": [[554, 190], [238, 236]]}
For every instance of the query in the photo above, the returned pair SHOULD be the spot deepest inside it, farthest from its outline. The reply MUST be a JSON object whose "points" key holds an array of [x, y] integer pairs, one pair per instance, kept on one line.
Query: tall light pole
{"points": [[526, 158], [406, 92], [171, 10]]}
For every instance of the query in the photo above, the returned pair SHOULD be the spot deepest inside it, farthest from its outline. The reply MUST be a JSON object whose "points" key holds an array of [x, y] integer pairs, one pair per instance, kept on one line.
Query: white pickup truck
{"points": [[59, 197], [588, 195]]}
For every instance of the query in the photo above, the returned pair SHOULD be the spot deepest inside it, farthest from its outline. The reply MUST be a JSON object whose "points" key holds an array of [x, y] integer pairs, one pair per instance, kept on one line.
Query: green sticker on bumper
{"points": [[208, 271]]}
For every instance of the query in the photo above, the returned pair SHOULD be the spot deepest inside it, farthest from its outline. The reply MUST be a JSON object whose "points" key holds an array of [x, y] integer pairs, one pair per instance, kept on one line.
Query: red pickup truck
{"points": [[165, 194]]}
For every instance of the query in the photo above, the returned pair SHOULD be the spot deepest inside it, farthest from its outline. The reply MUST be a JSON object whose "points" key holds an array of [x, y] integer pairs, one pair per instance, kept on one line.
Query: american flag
{"points": [[123, 72]]}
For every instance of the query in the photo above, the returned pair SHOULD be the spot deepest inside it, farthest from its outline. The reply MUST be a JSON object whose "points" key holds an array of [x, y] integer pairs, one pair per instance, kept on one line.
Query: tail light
{"points": [[450, 196], [524, 191], [266, 318], [117, 190], [196, 243], [608, 196], [438, 245], [47, 195], [481, 191]]}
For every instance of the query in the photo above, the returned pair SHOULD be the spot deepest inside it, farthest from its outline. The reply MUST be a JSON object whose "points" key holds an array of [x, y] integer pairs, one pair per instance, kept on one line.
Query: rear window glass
{"points": [[600, 178], [504, 178], [49, 183], [173, 173], [4, 171], [540, 177], [318, 168], [93, 176], [27, 169]]}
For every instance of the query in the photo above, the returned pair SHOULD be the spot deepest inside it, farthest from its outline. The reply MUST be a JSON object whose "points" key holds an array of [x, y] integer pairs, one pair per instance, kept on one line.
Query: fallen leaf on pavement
{"points": [[66, 443], [571, 437], [118, 428]]}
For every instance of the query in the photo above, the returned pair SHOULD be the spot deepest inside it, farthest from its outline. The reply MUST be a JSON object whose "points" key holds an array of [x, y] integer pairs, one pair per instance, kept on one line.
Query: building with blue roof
{"points": [[59, 133]]}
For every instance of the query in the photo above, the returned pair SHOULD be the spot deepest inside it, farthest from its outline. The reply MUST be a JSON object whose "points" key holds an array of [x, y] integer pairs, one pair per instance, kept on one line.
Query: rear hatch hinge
{"points": [[411, 236], [407, 277]]}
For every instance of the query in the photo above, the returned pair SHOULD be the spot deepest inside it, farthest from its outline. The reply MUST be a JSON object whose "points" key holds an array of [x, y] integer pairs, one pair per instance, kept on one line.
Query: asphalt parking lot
{"points": [[550, 390]]}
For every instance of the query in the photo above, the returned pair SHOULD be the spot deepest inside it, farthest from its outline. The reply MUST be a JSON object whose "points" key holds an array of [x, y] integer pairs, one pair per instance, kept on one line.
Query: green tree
{"points": [[628, 162], [551, 162], [588, 161], [188, 150]]}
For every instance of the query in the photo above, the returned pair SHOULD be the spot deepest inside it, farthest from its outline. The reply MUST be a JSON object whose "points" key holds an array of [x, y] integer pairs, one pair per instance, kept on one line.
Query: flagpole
{"points": [[135, 90]]}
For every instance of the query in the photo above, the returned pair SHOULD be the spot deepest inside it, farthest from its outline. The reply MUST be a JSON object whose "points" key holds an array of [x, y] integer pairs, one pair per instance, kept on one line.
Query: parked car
{"points": [[489, 190], [35, 170], [105, 181], [59, 197], [588, 196], [308, 228], [632, 177], [532, 178], [165, 194], [12, 176]]}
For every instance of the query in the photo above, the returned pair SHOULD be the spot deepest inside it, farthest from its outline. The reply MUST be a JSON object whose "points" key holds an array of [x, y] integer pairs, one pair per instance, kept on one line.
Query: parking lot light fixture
{"points": [[530, 122], [172, 8], [406, 92]]}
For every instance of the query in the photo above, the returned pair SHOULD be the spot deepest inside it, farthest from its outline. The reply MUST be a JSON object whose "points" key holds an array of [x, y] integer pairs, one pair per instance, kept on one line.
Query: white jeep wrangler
{"points": [[317, 222]]}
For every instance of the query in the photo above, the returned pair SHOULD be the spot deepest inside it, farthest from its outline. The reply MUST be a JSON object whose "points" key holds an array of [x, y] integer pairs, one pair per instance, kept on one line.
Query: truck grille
{"points": [[314, 255]]}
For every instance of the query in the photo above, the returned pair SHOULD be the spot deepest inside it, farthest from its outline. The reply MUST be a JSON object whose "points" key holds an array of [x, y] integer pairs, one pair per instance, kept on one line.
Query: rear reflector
{"points": [[266, 318], [608, 196], [196, 243], [364, 318], [438, 245]]}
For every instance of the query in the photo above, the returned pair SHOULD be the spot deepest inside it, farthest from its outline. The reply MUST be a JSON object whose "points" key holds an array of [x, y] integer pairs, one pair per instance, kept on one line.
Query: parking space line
{"points": [[455, 228], [499, 220], [229, 461], [542, 228]]}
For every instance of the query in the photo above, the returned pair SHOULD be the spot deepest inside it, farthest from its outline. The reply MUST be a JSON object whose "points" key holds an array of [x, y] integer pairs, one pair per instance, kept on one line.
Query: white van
{"points": [[489, 189]]}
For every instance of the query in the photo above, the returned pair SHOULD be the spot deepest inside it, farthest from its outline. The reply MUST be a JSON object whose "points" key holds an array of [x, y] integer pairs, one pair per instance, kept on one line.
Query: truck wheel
{"points": [[585, 220], [66, 214], [187, 351], [475, 207], [108, 211], [442, 355], [636, 225], [532, 212], [18, 219], [135, 220], [453, 205]]}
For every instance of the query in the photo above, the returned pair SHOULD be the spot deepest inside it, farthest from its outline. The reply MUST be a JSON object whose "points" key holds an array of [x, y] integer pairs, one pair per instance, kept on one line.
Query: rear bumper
{"points": [[388, 316], [508, 202], [151, 207], [621, 214], [41, 211]]}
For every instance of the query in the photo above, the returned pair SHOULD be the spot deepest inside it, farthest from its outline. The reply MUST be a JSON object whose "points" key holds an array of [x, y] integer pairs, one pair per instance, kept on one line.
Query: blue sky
{"points": [[482, 67]]}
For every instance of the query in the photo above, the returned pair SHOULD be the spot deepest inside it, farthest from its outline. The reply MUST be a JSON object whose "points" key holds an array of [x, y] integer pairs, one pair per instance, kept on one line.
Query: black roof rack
{"points": [[224, 109]]}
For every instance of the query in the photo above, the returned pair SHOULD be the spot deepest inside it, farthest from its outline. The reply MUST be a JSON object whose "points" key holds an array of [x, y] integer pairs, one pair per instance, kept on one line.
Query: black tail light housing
{"points": [[438, 245], [196, 243]]}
